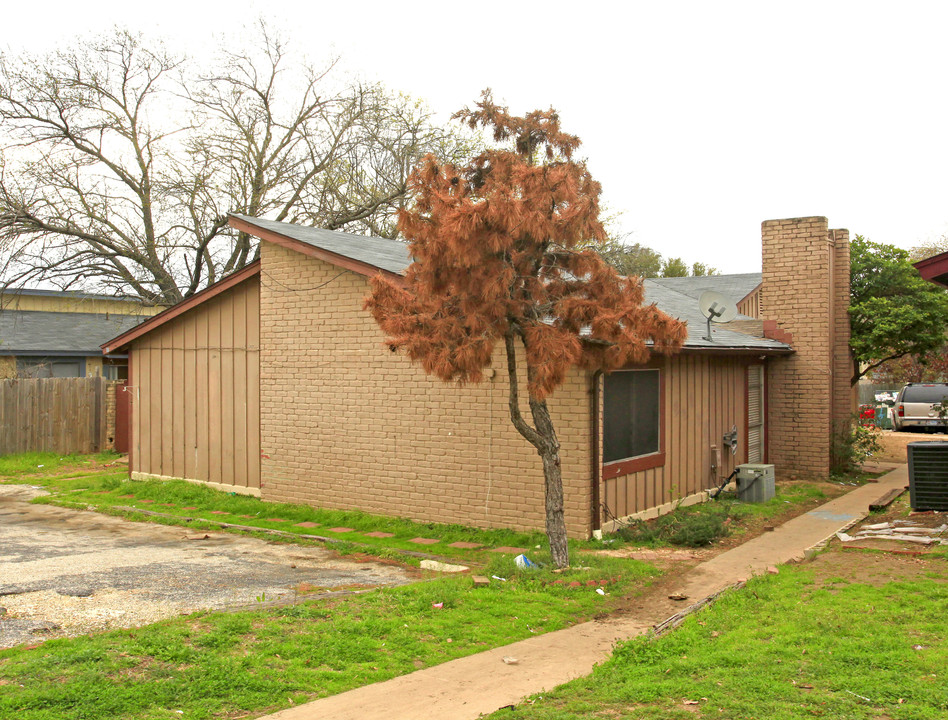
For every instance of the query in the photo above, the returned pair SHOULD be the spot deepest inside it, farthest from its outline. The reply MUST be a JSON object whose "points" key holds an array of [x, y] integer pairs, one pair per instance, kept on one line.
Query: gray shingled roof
{"points": [[685, 307], [382, 253], [734, 287], [674, 296], [33, 332]]}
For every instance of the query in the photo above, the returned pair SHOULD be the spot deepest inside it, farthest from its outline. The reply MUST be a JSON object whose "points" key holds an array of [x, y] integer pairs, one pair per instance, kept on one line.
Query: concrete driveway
{"points": [[68, 572]]}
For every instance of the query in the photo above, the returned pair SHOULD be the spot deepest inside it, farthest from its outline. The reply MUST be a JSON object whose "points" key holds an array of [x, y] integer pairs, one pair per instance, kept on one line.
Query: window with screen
{"points": [[631, 414], [41, 367]]}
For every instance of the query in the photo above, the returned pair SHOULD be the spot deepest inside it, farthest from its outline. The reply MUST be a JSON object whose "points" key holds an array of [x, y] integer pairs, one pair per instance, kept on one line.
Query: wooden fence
{"points": [[63, 415]]}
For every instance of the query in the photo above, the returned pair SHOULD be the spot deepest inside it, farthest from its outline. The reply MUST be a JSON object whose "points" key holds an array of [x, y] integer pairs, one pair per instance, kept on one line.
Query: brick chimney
{"points": [[805, 291]]}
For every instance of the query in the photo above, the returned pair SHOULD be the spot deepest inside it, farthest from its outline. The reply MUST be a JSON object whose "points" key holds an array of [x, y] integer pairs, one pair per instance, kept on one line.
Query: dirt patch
{"points": [[66, 572], [655, 605], [900, 520], [894, 444], [675, 560], [885, 560], [872, 568]]}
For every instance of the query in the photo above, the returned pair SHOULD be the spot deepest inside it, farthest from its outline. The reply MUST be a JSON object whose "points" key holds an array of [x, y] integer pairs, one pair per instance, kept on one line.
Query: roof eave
{"points": [[717, 350], [725, 350], [357, 266], [934, 269], [122, 341]]}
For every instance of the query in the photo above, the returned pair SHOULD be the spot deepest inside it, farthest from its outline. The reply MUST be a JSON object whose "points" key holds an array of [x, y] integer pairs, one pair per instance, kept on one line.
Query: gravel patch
{"points": [[66, 572]]}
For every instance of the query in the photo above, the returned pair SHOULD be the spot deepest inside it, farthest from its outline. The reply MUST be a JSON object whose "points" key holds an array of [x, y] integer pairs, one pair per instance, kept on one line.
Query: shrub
{"points": [[688, 528], [852, 443]]}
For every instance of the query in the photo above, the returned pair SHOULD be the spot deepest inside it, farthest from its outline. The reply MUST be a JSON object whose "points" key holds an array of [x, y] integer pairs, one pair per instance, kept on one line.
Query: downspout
{"points": [[595, 515]]}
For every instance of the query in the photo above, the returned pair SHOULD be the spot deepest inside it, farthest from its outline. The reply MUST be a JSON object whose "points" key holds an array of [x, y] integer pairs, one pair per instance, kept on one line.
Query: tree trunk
{"points": [[543, 438], [553, 496]]}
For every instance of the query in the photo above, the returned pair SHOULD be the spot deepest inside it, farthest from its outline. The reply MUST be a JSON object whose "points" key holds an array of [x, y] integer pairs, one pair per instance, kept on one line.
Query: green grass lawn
{"points": [[783, 648], [107, 489], [223, 665], [227, 665]]}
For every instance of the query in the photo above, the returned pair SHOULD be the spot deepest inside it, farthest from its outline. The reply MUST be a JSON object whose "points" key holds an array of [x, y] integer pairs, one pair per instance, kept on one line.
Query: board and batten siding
{"points": [[704, 399], [195, 385], [750, 305]]}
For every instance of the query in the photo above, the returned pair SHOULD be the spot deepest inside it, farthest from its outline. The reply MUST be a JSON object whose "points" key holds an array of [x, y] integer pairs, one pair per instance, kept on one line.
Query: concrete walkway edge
{"points": [[466, 688]]}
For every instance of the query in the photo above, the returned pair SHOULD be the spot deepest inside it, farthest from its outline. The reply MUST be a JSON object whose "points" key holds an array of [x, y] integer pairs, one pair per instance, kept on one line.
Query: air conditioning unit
{"points": [[928, 475], [755, 482]]}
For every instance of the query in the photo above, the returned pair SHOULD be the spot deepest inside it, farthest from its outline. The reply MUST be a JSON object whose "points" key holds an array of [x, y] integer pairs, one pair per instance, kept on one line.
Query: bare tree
{"points": [[120, 162]]}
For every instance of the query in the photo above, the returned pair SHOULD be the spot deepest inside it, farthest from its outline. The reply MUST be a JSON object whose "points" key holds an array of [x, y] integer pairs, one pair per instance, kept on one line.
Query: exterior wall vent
{"points": [[928, 475]]}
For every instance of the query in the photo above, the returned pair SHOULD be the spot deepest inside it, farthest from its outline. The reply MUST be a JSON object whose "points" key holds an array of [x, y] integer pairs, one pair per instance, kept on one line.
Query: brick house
{"points": [[55, 333], [275, 382]]}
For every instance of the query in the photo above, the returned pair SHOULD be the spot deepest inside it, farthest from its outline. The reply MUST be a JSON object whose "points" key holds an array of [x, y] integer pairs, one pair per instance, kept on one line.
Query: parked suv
{"points": [[916, 407]]}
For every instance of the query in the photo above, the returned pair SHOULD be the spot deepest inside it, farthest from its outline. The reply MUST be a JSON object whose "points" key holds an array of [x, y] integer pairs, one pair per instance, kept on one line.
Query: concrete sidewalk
{"points": [[469, 687]]}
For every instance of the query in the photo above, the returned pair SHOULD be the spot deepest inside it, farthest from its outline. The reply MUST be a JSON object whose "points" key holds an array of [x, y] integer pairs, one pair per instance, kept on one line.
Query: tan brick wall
{"points": [[806, 290], [845, 396], [7, 366], [345, 423], [111, 387], [93, 366]]}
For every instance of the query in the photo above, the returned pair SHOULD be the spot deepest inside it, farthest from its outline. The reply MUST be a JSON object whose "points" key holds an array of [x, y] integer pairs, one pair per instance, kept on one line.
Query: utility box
{"points": [[755, 482], [928, 475]]}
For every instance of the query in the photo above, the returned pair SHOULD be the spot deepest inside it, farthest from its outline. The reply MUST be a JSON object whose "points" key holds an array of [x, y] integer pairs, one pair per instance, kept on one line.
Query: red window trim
{"points": [[618, 468], [627, 466]]}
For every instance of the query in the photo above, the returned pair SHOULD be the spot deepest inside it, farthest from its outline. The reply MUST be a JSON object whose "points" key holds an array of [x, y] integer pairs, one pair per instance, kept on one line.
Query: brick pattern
{"points": [[806, 290], [345, 423], [111, 387], [772, 330], [845, 396]]}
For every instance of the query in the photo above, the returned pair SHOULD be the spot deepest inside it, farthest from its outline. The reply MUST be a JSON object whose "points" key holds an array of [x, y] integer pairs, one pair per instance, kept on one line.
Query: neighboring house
{"points": [[48, 333], [276, 382], [934, 269], [743, 289]]}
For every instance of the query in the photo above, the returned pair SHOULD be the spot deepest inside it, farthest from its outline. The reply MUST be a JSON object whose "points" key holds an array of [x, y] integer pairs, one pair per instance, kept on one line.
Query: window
{"points": [[632, 419], [41, 367], [115, 372]]}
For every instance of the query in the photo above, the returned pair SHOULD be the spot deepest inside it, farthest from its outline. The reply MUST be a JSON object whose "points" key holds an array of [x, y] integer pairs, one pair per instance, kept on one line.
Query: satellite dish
{"points": [[715, 306]]}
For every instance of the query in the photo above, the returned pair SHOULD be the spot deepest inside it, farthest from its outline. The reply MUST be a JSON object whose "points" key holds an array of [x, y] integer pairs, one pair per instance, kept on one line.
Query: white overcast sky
{"points": [[700, 119]]}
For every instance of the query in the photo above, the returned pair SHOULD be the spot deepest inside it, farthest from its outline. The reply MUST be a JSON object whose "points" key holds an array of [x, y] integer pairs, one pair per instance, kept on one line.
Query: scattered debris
{"points": [[437, 605], [76, 592], [444, 567], [43, 628], [510, 660], [497, 577], [889, 551], [677, 596], [773, 570], [899, 531], [886, 500], [600, 591], [480, 580], [522, 561]]}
